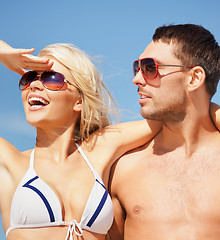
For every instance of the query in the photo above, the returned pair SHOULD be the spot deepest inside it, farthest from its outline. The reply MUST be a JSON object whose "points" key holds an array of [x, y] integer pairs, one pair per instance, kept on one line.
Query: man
{"points": [[170, 187]]}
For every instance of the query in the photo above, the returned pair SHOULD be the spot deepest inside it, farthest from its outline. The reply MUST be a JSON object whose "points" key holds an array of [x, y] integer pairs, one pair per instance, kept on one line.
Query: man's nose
{"points": [[139, 79]]}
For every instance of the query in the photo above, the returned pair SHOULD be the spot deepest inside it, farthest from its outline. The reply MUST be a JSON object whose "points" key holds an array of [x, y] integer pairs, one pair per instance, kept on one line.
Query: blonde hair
{"points": [[96, 99]]}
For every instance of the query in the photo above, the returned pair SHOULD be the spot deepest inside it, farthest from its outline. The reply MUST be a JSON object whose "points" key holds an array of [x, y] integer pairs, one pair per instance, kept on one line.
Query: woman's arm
{"points": [[215, 114], [18, 60], [115, 140]]}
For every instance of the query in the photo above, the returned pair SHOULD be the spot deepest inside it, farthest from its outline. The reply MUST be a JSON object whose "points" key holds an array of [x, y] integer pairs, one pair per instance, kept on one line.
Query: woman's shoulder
{"points": [[13, 165], [6, 149], [9, 154]]}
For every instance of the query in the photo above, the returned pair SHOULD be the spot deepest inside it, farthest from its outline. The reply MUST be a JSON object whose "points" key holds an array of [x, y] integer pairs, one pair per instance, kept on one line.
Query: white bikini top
{"points": [[35, 205]]}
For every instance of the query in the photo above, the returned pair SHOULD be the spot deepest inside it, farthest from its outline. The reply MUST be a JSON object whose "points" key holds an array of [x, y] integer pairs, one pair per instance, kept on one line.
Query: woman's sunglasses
{"points": [[51, 80], [149, 67]]}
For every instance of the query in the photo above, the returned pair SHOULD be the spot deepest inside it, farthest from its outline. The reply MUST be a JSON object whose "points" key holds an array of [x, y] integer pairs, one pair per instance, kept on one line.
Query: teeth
{"points": [[143, 97], [37, 100]]}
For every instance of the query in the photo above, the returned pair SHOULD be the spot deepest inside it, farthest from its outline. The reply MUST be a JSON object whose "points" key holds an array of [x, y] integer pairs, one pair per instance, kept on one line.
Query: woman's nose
{"points": [[36, 84]]}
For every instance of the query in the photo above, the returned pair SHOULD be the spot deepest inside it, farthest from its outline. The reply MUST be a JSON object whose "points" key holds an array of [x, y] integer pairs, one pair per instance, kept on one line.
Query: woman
{"points": [[58, 190]]}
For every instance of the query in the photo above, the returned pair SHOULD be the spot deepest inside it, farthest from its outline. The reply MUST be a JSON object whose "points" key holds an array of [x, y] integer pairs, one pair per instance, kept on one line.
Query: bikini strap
{"points": [[86, 159], [32, 159]]}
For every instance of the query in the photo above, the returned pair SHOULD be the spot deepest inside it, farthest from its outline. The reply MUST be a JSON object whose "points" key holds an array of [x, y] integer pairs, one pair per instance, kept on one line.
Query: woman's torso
{"points": [[71, 181]]}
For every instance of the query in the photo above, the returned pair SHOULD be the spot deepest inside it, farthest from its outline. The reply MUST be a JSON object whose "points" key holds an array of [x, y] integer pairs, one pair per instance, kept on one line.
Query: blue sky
{"points": [[115, 32]]}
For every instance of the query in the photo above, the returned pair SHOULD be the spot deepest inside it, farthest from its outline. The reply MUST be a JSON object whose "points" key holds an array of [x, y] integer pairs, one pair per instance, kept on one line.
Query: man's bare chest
{"points": [[172, 189]]}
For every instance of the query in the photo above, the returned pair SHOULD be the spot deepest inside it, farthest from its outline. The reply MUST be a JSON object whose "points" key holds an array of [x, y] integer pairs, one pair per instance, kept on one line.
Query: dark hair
{"points": [[195, 46]]}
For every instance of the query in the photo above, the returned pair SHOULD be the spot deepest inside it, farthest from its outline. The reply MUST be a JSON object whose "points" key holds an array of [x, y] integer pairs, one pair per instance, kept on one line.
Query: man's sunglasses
{"points": [[51, 80], [149, 67]]}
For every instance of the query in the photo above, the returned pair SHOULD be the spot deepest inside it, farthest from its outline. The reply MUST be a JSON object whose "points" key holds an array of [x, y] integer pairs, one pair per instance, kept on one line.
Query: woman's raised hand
{"points": [[18, 60]]}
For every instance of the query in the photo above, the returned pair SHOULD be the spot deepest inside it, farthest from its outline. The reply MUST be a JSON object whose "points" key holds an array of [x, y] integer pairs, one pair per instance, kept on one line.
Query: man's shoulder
{"points": [[212, 141], [134, 154], [130, 161]]}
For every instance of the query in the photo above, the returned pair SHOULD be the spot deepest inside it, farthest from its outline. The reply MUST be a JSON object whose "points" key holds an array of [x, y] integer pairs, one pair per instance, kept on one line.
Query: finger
{"points": [[35, 59], [39, 66], [25, 51]]}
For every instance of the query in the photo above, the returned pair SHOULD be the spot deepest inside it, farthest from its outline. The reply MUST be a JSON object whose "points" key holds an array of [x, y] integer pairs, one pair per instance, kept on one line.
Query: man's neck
{"points": [[191, 133]]}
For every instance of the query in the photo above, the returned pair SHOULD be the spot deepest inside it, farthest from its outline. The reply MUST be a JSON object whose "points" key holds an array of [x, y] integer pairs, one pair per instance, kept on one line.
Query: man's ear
{"points": [[78, 105], [196, 78]]}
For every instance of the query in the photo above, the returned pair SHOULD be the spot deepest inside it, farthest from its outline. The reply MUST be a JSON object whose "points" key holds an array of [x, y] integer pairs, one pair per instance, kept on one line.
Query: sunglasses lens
{"points": [[26, 79], [148, 68], [135, 67], [52, 80]]}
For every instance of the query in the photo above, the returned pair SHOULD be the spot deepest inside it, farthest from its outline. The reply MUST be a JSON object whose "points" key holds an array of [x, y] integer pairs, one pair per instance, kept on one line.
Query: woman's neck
{"points": [[59, 143]]}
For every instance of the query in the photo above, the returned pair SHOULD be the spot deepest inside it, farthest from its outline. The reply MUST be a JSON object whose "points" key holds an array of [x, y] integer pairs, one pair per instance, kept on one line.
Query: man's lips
{"points": [[143, 97]]}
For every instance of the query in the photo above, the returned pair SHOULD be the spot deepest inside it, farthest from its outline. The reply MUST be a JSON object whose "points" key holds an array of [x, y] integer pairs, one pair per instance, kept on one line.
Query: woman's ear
{"points": [[78, 105], [196, 78]]}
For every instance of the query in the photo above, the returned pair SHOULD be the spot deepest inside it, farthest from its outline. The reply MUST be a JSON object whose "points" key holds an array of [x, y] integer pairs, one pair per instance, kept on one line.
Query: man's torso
{"points": [[168, 195]]}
